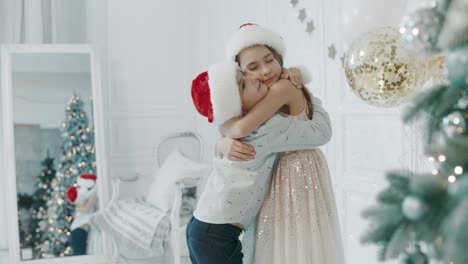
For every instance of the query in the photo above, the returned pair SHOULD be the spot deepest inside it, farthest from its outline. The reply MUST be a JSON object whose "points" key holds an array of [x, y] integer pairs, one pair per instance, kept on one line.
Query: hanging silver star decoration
{"points": [[294, 3], [302, 14], [310, 27], [331, 51]]}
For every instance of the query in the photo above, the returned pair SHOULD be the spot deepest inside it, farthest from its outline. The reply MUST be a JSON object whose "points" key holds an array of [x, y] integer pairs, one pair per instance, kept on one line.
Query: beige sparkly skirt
{"points": [[298, 222]]}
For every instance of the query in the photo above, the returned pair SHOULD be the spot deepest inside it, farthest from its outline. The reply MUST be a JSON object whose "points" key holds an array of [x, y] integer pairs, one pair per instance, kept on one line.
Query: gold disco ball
{"points": [[380, 71]]}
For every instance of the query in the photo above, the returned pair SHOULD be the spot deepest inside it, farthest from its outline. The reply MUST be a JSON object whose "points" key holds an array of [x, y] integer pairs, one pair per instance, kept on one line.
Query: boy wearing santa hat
{"points": [[235, 191], [84, 197]]}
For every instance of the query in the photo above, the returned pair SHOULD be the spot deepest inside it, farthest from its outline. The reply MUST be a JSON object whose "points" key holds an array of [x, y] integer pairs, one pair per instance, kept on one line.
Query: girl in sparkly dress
{"points": [[298, 222]]}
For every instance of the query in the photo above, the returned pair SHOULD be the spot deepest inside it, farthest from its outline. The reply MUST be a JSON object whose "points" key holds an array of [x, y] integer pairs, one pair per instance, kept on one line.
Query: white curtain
{"points": [[43, 21]]}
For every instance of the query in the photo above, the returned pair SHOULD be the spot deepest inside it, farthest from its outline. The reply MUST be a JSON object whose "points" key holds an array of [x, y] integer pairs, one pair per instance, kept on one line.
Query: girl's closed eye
{"points": [[269, 58]]}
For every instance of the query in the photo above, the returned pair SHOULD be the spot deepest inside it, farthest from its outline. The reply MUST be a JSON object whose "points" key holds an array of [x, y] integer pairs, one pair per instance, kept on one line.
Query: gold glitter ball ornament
{"points": [[382, 73]]}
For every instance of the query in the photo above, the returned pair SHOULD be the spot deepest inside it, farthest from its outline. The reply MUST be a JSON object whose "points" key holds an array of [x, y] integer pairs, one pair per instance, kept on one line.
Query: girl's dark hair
{"points": [[279, 58]]}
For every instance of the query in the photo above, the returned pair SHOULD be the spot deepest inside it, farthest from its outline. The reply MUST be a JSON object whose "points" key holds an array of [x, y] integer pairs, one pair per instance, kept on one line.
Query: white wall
{"points": [[41, 98]]}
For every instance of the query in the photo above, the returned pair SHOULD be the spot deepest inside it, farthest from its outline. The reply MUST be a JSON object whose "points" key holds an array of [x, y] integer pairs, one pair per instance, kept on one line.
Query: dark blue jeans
{"points": [[79, 241], [213, 243]]}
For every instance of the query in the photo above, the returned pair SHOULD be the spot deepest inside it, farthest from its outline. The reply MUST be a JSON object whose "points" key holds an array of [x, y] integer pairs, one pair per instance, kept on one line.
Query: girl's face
{"points": [[260, 63], [251, 91]]}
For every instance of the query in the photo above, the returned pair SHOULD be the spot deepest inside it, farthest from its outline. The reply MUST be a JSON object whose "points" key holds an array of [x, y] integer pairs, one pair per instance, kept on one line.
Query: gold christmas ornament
{"points": [[380, 72]]}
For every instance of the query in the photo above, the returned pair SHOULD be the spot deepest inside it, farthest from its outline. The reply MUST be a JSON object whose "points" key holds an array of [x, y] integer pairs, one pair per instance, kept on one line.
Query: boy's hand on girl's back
{"points": [[236, 150]]}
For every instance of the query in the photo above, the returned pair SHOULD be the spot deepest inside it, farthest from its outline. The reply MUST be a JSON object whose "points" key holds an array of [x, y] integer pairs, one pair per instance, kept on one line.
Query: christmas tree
{"points": [[424, 216], [39, 206], [78, 156], [25, 201]]}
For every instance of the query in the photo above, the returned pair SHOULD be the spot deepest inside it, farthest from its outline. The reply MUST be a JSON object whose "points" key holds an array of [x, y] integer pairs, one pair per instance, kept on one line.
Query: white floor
{"points": [[162, 260]]}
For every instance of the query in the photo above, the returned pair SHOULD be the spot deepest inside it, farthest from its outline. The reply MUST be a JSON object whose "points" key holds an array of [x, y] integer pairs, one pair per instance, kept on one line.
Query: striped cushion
{"points": [[137, 227]]}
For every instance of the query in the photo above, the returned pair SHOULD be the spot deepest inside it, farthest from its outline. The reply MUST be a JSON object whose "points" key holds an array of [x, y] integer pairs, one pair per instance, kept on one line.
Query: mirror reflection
{"points": [[55, 155]]}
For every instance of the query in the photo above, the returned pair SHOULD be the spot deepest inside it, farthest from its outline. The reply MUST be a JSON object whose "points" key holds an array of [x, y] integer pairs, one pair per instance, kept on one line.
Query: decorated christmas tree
{"points": [[25, 201], [39, 206], [77, 157], [422, 217]]}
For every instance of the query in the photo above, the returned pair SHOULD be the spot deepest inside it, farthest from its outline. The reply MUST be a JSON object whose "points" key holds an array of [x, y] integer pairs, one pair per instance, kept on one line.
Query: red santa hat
{"points": [[250, 34], [215, 93], [77, 194], [85, 185], [86, 180], [72, 194]]}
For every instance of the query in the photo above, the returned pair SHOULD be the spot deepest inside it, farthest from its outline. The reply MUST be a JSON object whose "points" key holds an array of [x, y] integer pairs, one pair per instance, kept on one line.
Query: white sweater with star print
{"points": [[235, 191]]}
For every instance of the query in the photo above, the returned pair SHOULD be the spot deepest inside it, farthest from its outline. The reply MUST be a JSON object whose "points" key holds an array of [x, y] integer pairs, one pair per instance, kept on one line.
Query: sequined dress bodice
{"points": [[301, 116]]}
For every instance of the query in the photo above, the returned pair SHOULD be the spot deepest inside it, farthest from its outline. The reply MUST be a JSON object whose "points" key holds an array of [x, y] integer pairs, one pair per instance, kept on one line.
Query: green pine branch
{"points": [[423, 103], [399, 242], [456, 234], [391, 195]]}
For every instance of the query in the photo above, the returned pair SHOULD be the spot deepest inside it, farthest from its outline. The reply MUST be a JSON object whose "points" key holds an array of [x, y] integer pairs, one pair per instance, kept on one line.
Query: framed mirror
{"points": [[54, 150]]}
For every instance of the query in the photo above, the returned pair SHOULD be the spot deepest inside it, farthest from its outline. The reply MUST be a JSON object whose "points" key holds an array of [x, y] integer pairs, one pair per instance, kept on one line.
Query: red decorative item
{"points": [[89, 176], [215, 93], [248, 24], [72, 194], [201, 96], [84, 187]]}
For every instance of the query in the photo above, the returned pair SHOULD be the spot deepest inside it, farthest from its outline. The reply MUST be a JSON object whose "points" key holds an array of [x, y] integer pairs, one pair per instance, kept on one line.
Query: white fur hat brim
{"points": [[224, 91], [251, 35], [85, 182]]}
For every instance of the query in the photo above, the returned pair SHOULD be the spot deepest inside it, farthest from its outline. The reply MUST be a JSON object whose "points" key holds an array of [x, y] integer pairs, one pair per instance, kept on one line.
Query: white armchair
{"points": [[192, 148], [189, 145]]}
